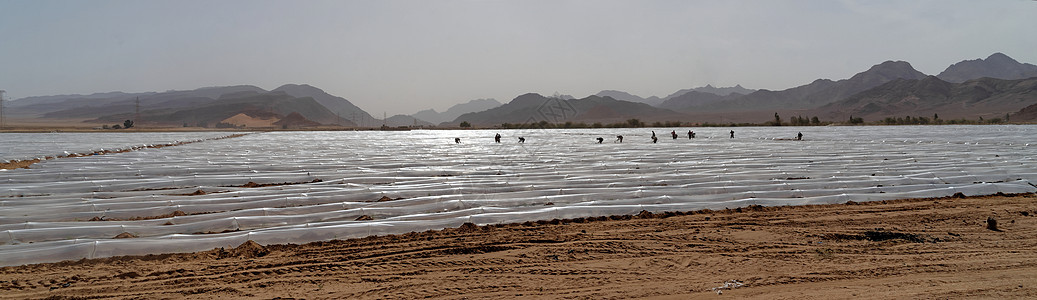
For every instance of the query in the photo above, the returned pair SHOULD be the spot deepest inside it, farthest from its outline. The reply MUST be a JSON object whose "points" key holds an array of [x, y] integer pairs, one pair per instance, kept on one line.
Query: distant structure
{"points": [[2, 109], [136, 117]]}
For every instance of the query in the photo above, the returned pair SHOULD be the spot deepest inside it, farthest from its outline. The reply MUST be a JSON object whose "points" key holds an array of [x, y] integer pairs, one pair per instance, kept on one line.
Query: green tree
{"points": [[127, 124], [465, 124]]}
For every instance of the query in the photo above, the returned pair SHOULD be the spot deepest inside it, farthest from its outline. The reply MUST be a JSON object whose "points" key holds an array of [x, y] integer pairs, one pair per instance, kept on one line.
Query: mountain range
{"points": [[929, 96], [533, 108], [455, 111], [991, 87], [656, 101], [210, 106]]}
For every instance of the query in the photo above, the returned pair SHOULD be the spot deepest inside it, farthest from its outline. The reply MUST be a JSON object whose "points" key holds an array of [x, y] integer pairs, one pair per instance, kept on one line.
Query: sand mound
{"points": [[468, 227], [243, 119], [248, 249], [126, 235]]}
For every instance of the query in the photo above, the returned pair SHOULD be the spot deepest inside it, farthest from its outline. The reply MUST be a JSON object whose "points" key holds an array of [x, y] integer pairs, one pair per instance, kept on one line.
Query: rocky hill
{"points": [[997, 65], [984, 97], [534, 107], [1027, 114], [337, 105], [453, 112], [406, 121], [710, 89], [691, 99], [817, 93], [96, 105], [269, 105], [621, 95], [659, 102]]}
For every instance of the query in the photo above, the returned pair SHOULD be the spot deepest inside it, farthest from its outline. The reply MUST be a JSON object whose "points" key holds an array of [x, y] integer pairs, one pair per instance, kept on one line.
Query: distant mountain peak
{"points": [[997, 65], [1001, 56], [294, 88], [885, 71], [477, 105], [892, 65], [710, 89], [620, 95]]}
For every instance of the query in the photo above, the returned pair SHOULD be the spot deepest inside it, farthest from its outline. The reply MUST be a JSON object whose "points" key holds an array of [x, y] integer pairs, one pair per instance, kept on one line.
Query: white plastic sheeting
{"points": [[19, 146], [324, 181]]}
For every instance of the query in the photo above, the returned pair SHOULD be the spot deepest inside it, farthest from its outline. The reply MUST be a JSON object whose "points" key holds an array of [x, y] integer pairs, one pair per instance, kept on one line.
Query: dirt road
{"points": [[929, 248]]}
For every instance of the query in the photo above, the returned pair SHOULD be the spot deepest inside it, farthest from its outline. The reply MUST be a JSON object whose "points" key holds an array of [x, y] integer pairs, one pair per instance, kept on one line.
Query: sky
{"points": [[400, 57]]}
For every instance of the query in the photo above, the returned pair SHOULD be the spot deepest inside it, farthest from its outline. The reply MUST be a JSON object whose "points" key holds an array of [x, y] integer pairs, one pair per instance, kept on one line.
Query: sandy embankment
{"points": [[906, 249]]}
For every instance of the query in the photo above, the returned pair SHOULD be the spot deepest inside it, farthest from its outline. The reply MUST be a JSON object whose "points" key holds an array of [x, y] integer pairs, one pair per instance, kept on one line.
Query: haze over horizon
{"points": [[404, 56]]}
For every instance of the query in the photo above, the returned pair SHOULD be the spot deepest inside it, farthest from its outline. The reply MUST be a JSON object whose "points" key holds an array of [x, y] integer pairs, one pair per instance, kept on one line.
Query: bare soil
{"points": [[904, 249]]}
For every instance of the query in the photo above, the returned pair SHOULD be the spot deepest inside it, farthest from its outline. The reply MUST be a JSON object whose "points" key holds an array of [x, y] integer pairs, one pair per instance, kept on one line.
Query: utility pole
{"points": [[136, 117], [2, 109]]}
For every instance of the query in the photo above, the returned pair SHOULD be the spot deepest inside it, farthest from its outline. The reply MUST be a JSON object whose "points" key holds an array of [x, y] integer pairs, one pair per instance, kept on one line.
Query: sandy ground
{"points": [[905, 249]]}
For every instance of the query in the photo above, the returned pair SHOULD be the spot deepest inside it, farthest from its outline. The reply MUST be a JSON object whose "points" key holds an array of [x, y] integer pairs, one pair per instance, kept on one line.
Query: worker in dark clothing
{"points": [[732, 134], [497, 138], [600, 139]]}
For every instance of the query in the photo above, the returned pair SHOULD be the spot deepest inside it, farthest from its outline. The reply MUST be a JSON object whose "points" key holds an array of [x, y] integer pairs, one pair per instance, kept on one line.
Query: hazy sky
{"points": [[404, 56]]}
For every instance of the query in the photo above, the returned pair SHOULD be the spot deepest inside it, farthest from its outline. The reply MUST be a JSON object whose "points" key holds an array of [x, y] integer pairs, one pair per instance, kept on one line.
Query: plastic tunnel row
{"points": [[299, 187]]}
